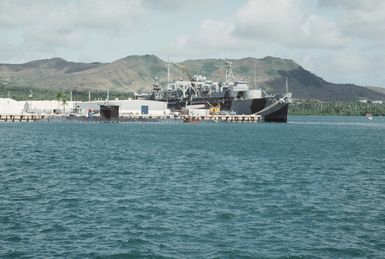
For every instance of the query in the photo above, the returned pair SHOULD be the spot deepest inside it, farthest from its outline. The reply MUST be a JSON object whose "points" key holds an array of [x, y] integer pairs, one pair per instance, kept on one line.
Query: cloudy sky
{"points": [[339, 40]]}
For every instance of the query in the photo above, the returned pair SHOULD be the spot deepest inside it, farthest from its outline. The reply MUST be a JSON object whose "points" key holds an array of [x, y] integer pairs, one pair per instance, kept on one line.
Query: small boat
{"points": [[368, 115]]}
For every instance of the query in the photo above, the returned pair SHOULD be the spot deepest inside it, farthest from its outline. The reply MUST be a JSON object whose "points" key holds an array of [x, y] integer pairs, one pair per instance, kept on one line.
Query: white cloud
{"points": [[64, 23], [287, 22], [209, 38], [270, 20], [178, 5], [83, 13], [360, 19], [346, 66], [318, 32], [351, 4], [283, 22]]}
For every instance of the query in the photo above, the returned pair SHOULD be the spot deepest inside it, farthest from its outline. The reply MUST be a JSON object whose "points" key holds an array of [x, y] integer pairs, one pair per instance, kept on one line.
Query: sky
{"points": [[342, 41]]}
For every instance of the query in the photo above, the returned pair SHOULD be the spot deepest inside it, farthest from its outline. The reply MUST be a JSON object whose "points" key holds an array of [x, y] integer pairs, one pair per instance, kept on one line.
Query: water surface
{"points": [[314, 187]]}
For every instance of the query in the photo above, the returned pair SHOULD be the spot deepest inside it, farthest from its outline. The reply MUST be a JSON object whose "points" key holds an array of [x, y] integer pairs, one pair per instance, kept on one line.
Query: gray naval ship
{"points": [[229, 96]]}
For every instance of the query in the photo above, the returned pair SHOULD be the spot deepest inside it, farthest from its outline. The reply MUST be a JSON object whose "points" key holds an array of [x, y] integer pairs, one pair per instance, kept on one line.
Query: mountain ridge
{"points": [[138, 72]]}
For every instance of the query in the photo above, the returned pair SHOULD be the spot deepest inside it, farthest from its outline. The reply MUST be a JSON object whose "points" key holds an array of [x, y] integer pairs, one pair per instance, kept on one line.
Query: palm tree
{"points": [[60, 97]]}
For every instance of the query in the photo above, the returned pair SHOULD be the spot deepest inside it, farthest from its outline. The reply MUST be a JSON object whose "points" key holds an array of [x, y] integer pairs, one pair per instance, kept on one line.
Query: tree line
{"points": [[351, 108], [62, 94]]}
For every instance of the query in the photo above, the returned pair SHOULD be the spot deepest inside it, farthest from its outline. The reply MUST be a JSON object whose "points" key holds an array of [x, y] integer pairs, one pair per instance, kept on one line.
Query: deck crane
{"points": [[192, 87]]}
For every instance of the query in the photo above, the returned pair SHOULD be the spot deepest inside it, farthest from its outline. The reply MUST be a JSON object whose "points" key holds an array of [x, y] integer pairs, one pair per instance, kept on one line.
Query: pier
{"points": [[169, 118], [22, 118], [135, 118], [223, 118]]}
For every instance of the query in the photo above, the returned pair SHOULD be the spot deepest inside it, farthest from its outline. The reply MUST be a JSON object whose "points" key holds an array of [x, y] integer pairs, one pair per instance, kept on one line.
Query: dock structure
{"points": [[224, 118], [170, 118], [22, 118], [135, 118]]}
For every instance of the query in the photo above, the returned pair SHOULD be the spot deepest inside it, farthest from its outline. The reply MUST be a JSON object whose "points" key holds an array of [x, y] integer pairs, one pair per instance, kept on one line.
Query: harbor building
{"points": [[51, 107]]}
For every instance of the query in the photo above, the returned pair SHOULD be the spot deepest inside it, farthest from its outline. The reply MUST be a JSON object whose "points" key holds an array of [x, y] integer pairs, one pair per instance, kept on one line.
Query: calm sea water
{"points": [[314, 187]]}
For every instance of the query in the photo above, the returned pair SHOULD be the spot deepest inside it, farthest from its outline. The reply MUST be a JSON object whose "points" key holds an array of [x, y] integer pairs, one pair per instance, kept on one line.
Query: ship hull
{"points": [[249, 106], [279, 115], [270, 111]]}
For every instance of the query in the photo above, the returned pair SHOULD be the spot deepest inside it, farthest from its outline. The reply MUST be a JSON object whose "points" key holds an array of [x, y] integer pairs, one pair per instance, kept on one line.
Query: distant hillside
{"points": [[377, 89], [127, 74], [137, 73]]}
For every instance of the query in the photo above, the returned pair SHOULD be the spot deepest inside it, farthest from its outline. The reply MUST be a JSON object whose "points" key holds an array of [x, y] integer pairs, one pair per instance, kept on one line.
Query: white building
{"points": [[126, 107], [12, 107], [9, 106], [362, 100]]}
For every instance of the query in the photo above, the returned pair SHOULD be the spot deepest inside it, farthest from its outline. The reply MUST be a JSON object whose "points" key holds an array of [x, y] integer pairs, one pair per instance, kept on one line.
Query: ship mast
{"points": [[287, 86], [169, 79], [229, 72]]}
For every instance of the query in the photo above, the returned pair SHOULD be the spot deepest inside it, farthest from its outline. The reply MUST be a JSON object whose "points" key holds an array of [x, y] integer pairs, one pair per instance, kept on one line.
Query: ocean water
{"points": [[314, 187]]}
